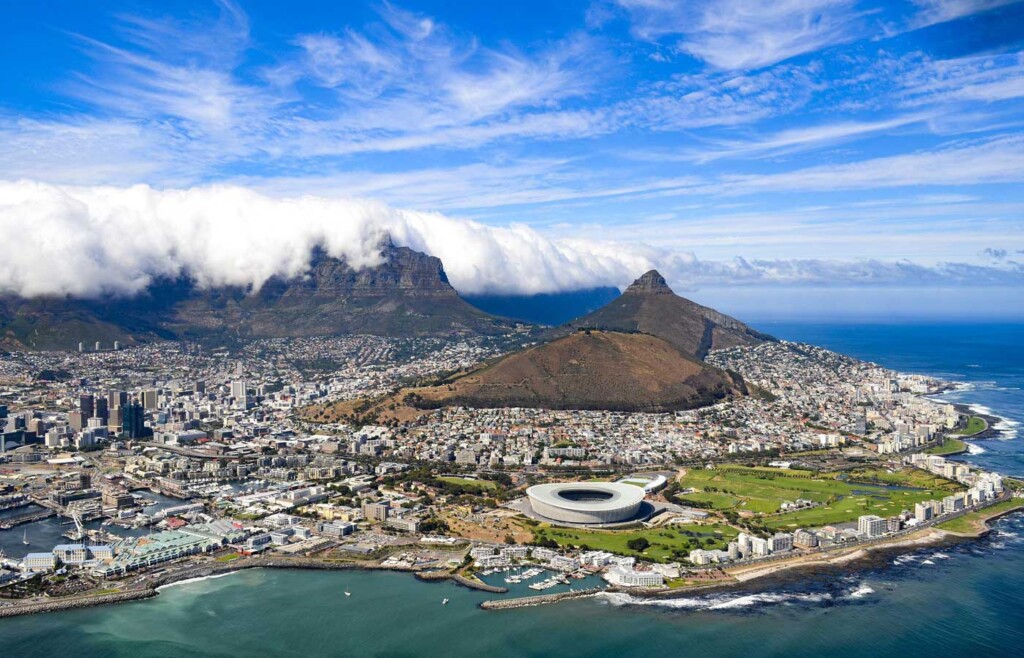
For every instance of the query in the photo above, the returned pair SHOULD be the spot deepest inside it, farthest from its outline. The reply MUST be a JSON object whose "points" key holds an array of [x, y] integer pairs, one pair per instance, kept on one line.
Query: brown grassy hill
{"points": [[590, 370], [594, 370], [650, 306]]}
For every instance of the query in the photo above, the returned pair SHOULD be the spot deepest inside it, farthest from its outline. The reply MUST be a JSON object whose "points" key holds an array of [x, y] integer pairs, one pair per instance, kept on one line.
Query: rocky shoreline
{"points": [[990, 431], [744, 581]]}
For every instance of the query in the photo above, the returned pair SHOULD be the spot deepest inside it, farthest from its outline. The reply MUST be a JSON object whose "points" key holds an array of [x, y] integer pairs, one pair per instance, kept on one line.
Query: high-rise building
{"points": [[116, 399], [238, 389], [133, 421], [871, 525], [115, 420], [102, 411], [780, 542], [87, 405], [75, 420], [149, 399]]}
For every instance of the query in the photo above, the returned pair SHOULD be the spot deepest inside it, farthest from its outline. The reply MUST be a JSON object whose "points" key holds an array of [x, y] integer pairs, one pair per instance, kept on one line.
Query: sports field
{"points": [[469, 482], [838, 498]]}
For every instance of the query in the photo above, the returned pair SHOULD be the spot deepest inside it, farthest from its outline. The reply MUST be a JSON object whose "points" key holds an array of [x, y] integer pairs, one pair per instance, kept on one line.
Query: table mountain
{"points": [[407, 295]]}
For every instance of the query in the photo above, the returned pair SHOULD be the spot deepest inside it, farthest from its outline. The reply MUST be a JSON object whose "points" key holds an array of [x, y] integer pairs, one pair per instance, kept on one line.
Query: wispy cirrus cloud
{"points": [[175, 69], [745, 34], [933, 12], [998, 160]]}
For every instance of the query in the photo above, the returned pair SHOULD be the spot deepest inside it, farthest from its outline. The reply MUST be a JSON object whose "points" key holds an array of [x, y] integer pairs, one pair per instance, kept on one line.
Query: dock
{"points": [[30, 517]]}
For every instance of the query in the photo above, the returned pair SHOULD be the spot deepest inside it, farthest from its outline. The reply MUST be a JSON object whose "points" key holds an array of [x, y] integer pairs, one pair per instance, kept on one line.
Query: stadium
{"points": [[586, 503]]}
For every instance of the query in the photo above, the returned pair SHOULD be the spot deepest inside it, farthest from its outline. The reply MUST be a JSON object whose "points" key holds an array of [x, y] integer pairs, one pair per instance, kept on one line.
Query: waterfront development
{"points": [[593, 328], [787, 528]]}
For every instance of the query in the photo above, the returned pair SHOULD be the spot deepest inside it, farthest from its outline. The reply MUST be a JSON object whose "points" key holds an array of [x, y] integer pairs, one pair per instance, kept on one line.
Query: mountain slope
{"points": [[407, 295], [590, 370], [649, 306], [586, 370]]}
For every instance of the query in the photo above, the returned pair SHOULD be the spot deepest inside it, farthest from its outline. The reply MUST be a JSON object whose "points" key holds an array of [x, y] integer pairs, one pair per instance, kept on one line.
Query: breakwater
{"points": [[540, 599], [73, 602], [478, 584]]}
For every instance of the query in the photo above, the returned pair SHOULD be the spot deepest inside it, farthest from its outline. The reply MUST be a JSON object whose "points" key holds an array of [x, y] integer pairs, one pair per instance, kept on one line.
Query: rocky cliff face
{"points": [[408, 294], [649, 283], [403, 271]]}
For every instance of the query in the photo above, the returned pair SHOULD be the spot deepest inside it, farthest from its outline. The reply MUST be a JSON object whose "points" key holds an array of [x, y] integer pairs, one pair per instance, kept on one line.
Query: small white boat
{"points": [[444, 602], [24, 538], [348, 593]]}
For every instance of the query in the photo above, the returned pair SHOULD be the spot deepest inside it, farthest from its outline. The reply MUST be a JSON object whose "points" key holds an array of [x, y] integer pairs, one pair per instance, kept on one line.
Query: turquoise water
{"points": [[961, 600]]}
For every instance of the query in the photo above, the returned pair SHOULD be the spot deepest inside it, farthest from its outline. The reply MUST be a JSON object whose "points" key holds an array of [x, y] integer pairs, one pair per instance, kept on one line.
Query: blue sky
{"points": [[735, 144]]}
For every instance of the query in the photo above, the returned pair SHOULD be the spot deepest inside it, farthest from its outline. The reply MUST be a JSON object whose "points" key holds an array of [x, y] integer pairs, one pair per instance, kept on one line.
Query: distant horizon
{"points": [[847, 145]]}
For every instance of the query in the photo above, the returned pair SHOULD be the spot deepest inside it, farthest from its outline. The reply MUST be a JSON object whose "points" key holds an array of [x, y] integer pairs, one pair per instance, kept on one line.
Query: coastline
{"points": [[744, 577], [217, 570], [856, 558], [991, 421]]}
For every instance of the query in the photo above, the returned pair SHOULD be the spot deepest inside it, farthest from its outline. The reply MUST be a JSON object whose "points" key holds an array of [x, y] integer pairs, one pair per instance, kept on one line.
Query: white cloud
{"points": [[998, 160], [932, 12], [745, 34], [963, 81], [85, 241], [167, 68], [797, 139], [92, 240], [705, 100]]}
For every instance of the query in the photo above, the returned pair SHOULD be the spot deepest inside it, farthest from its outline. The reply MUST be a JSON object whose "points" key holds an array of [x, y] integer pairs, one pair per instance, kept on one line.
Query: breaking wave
{"points": [[743, 602], [195, 580]]}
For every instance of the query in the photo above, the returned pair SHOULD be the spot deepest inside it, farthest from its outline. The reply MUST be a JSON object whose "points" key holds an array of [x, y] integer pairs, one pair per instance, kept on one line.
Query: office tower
{"points": [[116, 399], [86, 405], [102, 410], [133, 417]]}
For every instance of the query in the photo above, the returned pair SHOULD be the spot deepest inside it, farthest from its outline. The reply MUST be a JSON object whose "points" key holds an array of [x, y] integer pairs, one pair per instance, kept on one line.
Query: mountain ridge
{"points": [[650, 306], [408, 294]]}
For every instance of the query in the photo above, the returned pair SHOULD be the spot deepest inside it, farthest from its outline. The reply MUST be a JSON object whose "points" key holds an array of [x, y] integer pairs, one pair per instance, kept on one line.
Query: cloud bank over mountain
{"points": [[89, 241]]}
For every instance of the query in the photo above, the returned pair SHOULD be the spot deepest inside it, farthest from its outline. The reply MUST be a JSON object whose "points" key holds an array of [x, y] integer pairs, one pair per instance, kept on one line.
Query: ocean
{"points": [[966, 599]]}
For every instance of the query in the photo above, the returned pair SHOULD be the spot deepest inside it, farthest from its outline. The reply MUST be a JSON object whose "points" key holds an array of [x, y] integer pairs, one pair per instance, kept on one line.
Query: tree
{"points": [[638, 544]]}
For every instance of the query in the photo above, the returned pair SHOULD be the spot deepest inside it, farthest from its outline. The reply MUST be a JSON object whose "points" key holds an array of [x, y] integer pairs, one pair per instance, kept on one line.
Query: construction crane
{"points": [[78, 534]]}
